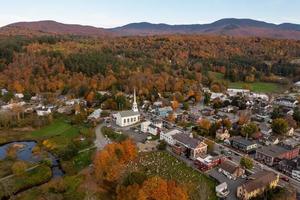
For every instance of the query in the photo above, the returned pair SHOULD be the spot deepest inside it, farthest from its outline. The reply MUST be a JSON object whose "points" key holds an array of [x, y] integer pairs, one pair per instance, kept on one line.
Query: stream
{"points": [[24, 152]]}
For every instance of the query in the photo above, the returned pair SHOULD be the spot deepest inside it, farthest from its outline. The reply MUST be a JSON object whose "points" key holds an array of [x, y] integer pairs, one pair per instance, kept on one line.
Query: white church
{"points": [[128, 117]]}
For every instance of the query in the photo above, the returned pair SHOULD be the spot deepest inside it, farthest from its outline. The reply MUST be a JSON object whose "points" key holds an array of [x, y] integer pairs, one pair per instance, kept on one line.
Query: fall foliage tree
{"points": [[204, 124], [175, 104], [154, 188], [109, 163]]}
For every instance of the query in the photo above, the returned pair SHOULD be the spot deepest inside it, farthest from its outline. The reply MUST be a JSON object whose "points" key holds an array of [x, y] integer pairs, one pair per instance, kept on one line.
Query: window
{"points": [[124, 121], [127, 120]]}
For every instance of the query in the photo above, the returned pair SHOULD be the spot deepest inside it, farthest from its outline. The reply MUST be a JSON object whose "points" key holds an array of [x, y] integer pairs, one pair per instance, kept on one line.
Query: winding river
{"points": [[24, 152]]}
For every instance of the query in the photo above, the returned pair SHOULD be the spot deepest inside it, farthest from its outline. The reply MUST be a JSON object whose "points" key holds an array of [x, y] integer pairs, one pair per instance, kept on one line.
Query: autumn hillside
{"points": [[226, 27], [53, 27], [79, 65]]}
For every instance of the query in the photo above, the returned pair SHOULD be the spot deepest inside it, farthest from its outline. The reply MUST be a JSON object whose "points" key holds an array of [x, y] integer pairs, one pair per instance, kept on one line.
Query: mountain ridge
{"points": [[227, 26]]}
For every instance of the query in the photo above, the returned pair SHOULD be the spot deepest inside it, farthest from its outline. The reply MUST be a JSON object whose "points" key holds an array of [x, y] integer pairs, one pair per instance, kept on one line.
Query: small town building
{"points": [[153, 127], [208, 162], [243, 144], [128, 117], [288, 166], [191, 147], [3, 91], [272, 154], [222, 134], [164, 111], [231, 169], [234, 92], [168, 136], [144, 126], [257, 184], [96, 115], [44, 111], [286, 101], [19, 95]]}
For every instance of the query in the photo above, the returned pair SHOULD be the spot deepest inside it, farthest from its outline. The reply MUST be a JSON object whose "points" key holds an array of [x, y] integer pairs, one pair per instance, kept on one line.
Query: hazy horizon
{"points": [[117, 12]]}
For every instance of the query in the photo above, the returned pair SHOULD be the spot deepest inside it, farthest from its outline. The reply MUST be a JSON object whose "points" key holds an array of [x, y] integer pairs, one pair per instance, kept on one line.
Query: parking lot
{"points": [[232, 185]]}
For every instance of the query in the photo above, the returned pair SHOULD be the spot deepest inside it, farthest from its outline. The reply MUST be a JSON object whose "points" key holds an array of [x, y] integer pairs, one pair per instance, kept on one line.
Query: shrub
{"points": [[19, 168]]}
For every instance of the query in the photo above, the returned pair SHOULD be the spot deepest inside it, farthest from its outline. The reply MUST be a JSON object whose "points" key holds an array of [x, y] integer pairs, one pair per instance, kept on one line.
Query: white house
{"points": [[19, 95], [153, 127], [168, 136], [144, 126], [128, 117], [43, 111], [233, 92], [222, 134], [95, 115]]}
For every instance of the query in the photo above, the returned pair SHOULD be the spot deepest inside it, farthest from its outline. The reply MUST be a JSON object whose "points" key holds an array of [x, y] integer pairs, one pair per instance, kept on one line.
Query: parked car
{"points": [[284, 178]]}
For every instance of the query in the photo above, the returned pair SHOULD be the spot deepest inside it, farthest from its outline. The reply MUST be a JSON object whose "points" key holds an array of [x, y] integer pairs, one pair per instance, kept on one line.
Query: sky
{"points": [[113, 13]]}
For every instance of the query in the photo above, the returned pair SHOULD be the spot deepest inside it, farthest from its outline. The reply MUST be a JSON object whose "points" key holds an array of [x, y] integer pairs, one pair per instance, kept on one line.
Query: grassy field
{"points": [[65, 188], [199, 186], [34, 177], [58, 127], [260, 87]]}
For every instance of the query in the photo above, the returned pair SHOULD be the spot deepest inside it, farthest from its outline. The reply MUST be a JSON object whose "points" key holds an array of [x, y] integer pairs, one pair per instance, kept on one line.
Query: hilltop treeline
{"points": [[152, 64]]}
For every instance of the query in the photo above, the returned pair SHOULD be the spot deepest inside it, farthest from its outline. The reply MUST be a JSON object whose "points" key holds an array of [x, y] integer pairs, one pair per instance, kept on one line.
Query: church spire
{"points": [[134, 105]]}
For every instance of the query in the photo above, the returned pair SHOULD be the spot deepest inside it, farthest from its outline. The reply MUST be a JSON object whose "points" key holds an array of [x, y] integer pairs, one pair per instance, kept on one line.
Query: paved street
{"points": [[100, 141]]}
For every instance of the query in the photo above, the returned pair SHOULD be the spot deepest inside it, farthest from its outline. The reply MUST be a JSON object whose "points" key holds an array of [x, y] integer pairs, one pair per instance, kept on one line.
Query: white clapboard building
{"points": [[128, 117]]}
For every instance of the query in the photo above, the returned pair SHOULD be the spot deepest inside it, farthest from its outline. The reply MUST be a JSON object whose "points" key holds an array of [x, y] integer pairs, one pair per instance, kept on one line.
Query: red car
{"points": [[284, 178]]}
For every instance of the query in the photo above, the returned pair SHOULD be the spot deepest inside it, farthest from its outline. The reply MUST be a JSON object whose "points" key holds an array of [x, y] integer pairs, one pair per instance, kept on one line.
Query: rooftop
{"points": [[173, 132], [229, 166], [272, 150], [259, 180], [243, 141], [187, 140], [128, 113]]}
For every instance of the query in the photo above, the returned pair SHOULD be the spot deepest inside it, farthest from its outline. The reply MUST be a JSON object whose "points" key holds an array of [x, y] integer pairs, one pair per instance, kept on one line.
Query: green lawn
{"points": [[263, 87], [58, 127], [199, 186], [257, 86]]}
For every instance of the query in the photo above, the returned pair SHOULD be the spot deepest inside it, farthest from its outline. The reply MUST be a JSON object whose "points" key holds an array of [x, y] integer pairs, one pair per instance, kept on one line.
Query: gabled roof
{"points": [[187, 140], [259, 180], [229, 166], [128, 113]]}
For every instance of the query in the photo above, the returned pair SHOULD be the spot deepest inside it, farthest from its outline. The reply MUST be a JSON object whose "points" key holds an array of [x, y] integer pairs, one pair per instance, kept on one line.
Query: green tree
{"points": [[186, 106], [296, 115], [206, 98], [249, 129], [246, 162], [162, 145], [280, 126]]}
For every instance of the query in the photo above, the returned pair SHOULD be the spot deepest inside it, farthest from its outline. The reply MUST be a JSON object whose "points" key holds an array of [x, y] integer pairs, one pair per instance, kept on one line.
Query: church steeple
{"points": [[134, 105]]}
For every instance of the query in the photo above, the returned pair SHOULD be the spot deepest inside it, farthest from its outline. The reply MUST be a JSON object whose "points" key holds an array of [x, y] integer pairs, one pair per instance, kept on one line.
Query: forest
{"points": [[152, 64]]}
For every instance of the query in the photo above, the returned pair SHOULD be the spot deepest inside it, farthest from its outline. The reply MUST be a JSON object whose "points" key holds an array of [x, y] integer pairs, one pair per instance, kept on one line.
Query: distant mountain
{"points": [[229, 26], [53, 27]]}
